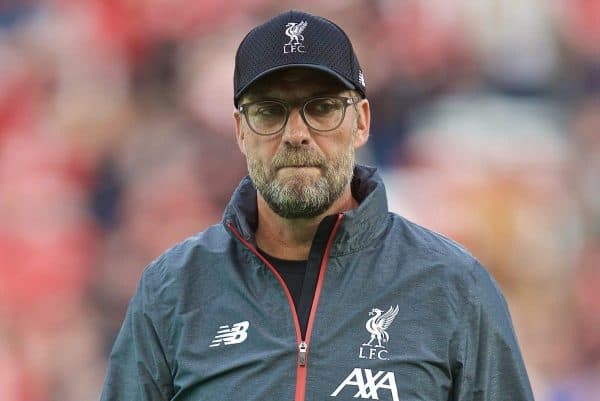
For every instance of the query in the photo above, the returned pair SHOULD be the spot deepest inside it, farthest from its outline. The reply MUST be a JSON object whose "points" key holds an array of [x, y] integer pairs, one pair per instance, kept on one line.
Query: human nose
{"points": [[296, 132]]}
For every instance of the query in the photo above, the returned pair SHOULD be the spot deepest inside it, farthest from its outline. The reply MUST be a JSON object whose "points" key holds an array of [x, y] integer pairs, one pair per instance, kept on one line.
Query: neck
{"points": [[291, 239]]}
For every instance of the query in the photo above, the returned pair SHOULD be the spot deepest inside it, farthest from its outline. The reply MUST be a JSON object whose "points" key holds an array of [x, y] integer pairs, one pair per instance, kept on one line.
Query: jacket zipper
{"points": [[303, 343], [302, 351]]}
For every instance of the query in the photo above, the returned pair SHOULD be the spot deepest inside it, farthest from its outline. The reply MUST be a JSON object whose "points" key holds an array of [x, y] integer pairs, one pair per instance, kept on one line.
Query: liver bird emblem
{"points": [[378, 324], [294, 31]]}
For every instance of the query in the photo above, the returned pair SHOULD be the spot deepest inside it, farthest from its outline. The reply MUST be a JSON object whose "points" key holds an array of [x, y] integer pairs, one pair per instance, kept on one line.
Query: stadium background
{"points": [[116, 141]]}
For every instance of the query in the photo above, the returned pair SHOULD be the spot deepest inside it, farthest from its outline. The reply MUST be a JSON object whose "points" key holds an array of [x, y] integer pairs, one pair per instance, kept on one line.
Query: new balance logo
{"points": [[235, 334], [369, 384]]}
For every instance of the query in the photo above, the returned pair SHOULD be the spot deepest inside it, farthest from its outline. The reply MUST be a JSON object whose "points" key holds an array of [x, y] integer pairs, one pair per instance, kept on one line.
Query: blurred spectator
{"points": [[417, 54], [578, 26], [164, 199], [582, 381], [585, 132]]}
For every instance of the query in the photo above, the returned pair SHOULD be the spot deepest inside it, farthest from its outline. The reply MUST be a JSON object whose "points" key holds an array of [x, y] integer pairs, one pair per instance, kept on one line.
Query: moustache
{"points": [[289, 158]]}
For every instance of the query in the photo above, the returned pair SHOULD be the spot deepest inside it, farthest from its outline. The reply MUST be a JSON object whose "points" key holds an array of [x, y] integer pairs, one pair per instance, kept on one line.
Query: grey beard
{"points": [[301, 196], [296, 201]]}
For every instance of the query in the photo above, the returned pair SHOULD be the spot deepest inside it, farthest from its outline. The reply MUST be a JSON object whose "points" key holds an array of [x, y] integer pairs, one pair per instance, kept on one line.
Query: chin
{"points": [[298, 180], [299, 172]]}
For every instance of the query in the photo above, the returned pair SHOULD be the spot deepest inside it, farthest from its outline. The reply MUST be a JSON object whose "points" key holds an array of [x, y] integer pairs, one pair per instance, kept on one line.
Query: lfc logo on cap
{"points": [[294, 31]]}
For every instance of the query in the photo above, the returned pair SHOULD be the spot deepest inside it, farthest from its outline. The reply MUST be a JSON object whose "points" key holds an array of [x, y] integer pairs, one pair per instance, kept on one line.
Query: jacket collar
{"points": [[359, 229]]}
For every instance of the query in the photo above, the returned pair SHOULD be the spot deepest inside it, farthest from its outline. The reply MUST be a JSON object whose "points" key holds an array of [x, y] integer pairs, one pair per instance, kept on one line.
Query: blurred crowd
{"points": [[116, 141]]}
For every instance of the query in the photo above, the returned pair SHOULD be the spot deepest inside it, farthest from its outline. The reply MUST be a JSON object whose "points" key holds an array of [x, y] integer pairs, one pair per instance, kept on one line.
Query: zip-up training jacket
{"points": [[399, 313]]}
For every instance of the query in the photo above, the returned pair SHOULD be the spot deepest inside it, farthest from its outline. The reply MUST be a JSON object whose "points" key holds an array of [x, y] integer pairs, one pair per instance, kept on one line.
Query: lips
{"points": [[298, 163], [297, 160]]}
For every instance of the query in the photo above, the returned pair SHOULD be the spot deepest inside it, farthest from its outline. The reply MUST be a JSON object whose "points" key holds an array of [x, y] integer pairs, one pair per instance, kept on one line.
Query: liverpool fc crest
{"points": [[377, 326], [294, 31]]}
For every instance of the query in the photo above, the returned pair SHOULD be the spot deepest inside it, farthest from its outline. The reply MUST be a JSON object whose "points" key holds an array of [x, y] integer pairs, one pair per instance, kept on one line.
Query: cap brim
{"points": [[317, 67]]}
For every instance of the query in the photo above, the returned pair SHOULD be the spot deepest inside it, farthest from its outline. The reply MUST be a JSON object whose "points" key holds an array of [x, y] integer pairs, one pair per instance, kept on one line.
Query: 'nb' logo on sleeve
{"points": [[234, 334]]}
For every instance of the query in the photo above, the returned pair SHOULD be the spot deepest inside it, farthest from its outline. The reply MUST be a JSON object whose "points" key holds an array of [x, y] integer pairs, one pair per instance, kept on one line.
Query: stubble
{"points": [[302, 195]]}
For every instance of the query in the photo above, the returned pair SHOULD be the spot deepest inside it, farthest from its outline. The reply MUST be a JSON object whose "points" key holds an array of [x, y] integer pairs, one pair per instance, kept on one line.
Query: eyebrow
{"points": [[329, 92]]}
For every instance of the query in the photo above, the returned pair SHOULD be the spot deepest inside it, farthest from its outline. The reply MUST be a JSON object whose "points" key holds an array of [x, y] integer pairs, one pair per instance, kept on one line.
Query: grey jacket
{"points": [[399, 313]]}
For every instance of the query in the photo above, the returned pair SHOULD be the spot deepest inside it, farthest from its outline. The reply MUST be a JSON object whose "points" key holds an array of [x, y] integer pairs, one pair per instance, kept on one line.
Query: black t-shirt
{"points": [[301, 276], [293, 273]]}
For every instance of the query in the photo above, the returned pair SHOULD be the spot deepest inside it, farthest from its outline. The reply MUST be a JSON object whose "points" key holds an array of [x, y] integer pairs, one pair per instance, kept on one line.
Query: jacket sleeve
{"points": [[490, 366], [138, 368]]}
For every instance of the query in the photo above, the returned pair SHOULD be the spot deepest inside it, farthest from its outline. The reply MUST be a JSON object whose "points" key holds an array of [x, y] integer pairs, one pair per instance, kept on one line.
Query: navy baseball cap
{"points": [[296, 39]]}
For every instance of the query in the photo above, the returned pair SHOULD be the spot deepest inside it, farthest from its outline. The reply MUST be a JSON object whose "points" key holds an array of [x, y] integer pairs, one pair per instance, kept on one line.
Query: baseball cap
{"points": [[296, 39]]}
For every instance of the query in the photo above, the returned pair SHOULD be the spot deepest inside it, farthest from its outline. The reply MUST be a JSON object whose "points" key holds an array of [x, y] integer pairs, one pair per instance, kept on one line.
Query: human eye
{"points": [[268, 110], [323, 106]]}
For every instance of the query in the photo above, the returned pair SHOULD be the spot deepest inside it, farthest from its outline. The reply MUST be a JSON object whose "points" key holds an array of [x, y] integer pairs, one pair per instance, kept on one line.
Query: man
{"points": [[309, 289]]}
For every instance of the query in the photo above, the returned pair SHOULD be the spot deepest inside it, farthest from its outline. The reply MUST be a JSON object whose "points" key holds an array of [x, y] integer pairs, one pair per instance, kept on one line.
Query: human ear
{"points": [[239, 134], [363, 123]]}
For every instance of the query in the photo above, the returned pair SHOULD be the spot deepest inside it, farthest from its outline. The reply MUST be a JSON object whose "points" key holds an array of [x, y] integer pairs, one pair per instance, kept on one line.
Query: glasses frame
{"points": [[347, 101]]}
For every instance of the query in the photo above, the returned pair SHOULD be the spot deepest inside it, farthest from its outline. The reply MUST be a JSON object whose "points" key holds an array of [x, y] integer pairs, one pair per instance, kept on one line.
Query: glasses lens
{"points": [[324, 113], [266, 117]]}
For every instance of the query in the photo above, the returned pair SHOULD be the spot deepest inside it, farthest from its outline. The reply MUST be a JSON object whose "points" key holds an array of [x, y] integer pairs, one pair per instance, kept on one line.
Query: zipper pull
{"points": [[302, 350]]}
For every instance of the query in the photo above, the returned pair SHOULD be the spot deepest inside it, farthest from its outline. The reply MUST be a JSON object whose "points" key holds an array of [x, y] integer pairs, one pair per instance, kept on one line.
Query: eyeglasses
{"points": [[322, 114]]}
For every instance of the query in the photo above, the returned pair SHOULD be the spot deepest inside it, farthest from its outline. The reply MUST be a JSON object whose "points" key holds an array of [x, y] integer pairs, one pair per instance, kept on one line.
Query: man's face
{"points": [[300, 172]]}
